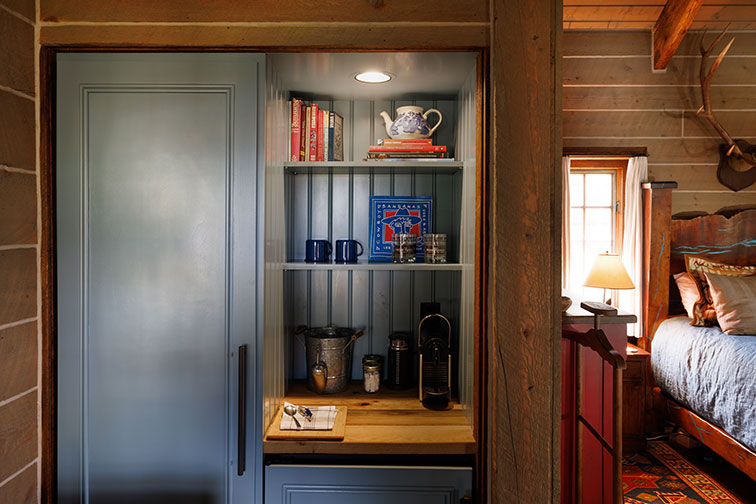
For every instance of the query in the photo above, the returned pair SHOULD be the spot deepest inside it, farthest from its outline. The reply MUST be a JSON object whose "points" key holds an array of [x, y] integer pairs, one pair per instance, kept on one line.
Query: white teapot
{"points": [[410, 122]]}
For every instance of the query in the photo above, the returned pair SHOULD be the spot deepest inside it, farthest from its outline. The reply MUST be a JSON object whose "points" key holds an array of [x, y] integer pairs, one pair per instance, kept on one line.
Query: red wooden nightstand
{"points": [[636, 399]]}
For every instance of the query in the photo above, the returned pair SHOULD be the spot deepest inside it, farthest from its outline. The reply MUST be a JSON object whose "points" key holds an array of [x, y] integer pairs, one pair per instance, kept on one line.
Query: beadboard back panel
{"points": [[333, 204]]}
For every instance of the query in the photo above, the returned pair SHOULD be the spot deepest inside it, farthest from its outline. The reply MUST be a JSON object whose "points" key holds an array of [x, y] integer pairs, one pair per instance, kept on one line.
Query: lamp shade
{"points": [[608, 272]]}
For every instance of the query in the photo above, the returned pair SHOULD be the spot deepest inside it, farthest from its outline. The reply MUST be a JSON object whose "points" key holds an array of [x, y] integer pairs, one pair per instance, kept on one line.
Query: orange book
{"points": [[313, 136], [320, 135], [303, 139]]}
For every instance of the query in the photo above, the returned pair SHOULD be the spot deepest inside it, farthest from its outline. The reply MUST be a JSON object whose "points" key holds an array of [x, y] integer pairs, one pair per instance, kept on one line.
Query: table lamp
{"points": [[608, 272]]}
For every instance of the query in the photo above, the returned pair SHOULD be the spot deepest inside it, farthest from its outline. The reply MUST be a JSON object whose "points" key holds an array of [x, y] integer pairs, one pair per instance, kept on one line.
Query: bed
{"points": [[705, 379]]}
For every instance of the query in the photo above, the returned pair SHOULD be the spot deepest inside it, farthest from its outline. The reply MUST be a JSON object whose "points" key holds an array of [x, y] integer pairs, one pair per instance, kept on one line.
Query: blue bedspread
{"points": [[710, 373]]}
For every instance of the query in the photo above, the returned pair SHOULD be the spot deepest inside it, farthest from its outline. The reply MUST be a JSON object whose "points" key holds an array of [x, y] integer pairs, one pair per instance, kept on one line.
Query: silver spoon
{"points": [[291, 410]]}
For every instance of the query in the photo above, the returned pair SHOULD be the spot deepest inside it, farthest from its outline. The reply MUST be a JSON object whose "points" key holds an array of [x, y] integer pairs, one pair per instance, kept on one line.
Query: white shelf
{"points": [[375, 266], [378, 166]]}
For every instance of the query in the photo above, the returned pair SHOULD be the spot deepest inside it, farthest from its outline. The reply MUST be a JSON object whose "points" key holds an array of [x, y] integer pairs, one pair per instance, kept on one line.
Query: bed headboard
{"points": [[729, 240]]}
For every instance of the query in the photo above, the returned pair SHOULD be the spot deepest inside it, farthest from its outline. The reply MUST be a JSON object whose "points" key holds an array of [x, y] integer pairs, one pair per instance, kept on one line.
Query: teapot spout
{"points": [[387, 120]]}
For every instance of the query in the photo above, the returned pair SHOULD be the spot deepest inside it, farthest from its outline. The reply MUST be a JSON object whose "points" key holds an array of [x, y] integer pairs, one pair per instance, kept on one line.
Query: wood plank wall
{"points": [[265, 23], [524, 454], [19, 247], [642, 14], [612, 98]]}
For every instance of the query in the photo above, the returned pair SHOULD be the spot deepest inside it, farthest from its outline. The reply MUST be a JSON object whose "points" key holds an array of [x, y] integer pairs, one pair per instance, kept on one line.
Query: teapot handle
{"points": [[425, 116]]}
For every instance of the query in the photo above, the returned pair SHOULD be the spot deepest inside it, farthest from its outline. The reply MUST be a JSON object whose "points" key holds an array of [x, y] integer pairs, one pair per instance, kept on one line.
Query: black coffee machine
{"points": [[434, 347]]}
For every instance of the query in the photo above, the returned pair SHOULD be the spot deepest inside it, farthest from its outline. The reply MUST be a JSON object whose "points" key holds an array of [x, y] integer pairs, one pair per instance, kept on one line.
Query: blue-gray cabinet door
{"points": [[157, 211], [308, 484]]}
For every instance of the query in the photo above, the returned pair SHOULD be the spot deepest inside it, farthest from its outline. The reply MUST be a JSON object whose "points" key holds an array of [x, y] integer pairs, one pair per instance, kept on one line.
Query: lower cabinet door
{"points": [[328, 484]]}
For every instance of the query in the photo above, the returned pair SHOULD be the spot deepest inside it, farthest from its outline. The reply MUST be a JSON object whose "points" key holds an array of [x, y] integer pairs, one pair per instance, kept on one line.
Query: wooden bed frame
{"points": [[728, 240]]}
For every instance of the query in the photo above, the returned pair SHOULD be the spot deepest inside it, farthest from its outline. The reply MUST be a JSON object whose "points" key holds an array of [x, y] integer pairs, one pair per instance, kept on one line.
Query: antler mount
{"points": [[737, 163]]}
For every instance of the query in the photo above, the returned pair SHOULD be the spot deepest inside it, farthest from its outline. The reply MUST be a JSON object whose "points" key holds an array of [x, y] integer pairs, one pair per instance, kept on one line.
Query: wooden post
{"points": [[657, 216], [524, 319]]}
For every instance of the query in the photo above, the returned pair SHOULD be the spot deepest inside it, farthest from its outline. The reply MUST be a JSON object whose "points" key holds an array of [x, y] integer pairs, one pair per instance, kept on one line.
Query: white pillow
{"points": [[734, 301]]}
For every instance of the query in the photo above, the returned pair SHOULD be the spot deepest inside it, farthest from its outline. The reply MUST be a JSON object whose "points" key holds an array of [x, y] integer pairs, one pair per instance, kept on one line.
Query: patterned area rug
{"points": [[662, 476]]}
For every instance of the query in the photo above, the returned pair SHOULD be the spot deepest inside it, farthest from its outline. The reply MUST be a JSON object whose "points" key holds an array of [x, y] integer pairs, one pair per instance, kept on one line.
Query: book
{"points": [[288, 115], [415, 158], [320, 136], [406, 155], [325, 135], [313, 135], [296, 129], [405, 148], [303, 142], [338, 138], [405, 141], [398, 214], [331, 120]]}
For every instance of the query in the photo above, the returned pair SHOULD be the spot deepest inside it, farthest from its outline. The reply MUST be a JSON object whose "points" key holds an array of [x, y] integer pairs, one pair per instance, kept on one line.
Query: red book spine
{"points": [[320, 135], [303, 143], [296, 131], [404, 148], [408, 141], [313, 132]]}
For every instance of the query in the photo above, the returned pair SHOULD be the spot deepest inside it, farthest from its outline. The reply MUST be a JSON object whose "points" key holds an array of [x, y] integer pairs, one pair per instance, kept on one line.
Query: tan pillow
{"points": [[689, 296], [697, 267], [734, 301]]}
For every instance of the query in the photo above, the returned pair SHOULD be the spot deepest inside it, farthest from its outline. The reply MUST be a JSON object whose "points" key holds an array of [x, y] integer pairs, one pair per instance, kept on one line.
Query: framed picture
{"points": [[398, 214]]}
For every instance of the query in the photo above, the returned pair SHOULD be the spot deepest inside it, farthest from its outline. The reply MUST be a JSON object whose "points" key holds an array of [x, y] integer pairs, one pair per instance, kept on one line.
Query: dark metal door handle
{"points": [[241, 435]]}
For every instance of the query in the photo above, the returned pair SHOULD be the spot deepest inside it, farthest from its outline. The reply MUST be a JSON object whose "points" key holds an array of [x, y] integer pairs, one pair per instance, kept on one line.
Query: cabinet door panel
{"points": [[156, 260], [293, 484]]}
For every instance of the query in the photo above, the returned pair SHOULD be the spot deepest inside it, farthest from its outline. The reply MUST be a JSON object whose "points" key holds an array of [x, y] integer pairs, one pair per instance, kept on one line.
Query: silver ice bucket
{"points": [[329, 357]]}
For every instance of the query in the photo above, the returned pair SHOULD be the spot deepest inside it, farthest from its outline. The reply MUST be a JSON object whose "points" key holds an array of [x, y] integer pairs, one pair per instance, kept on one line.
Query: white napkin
{"points": [[323, 418]]}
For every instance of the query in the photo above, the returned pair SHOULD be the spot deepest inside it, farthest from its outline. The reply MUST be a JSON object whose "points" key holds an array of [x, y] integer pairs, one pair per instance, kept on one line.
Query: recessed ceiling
{"points": [[412, 73]]}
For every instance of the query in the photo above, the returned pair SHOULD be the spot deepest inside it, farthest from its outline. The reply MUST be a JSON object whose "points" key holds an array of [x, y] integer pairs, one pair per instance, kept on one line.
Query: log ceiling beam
{"points": [[671, 27]]}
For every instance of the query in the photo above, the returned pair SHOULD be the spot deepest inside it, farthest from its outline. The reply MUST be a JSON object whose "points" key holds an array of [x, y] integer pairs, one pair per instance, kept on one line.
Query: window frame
{"points": [[618, 167]]}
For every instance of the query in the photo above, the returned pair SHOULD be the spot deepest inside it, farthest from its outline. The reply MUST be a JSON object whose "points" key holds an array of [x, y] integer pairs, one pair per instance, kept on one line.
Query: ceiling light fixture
{"points": [[372, 77]]}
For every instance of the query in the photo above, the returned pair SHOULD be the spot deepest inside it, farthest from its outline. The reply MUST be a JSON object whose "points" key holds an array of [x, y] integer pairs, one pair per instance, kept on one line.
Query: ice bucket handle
{"points": [[353, 339]]}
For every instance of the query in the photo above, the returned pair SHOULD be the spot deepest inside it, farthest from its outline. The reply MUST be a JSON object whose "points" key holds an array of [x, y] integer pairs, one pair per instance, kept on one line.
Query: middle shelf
{"points": [[400, 167], [375, 266]]}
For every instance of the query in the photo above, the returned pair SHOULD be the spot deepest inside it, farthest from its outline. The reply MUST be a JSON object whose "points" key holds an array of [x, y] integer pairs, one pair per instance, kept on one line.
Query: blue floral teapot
{"points": [[410, 122]]}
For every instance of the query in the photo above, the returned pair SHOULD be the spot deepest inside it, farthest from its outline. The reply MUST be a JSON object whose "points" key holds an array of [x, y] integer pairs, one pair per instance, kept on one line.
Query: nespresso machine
{"points": [[434, 347]]}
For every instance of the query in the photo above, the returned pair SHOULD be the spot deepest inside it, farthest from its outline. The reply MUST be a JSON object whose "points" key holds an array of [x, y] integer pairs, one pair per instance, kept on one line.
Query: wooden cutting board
{"points": [[335, 434]]}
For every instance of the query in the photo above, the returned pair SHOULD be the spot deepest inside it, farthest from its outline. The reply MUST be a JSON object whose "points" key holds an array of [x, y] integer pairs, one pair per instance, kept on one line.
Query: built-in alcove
{"points": [[330, 200]]}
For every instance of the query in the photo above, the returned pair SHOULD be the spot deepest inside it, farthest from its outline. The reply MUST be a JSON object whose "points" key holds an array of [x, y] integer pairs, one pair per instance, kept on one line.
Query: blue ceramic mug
{"points": [[346, 251], [317, 251]]}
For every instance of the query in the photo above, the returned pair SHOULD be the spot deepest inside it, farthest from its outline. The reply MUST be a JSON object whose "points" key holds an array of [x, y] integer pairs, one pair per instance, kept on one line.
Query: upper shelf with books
{"points": [[397, 167]]}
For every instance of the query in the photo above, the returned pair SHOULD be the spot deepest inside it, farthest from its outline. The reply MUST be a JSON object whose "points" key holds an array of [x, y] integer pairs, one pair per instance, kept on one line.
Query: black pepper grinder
{"points": [[399, 361]]}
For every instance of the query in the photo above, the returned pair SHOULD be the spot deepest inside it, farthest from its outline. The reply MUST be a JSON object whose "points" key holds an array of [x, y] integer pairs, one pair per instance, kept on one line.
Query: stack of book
{"points": [[316, 135], [407, 150]]}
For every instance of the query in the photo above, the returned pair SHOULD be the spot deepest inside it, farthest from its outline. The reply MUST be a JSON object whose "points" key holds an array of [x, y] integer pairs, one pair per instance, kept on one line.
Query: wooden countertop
{"points": [[389, 422]]}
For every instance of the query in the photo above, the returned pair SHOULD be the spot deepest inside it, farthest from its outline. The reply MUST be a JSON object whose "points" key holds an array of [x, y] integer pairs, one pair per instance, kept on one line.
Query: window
{"points": [[596, 191]]}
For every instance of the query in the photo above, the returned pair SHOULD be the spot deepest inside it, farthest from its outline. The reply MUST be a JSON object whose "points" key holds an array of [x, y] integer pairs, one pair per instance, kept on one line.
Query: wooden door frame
{"points": [[47, 67]]}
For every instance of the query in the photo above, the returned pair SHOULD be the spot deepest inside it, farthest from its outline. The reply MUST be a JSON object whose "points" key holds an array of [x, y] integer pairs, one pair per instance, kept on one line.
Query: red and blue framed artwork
{"points": [[398, 214]]}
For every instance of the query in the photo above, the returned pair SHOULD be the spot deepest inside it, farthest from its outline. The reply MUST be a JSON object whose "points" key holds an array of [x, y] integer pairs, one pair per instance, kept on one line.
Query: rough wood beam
{"points": [[671, 27], [524, 265]]}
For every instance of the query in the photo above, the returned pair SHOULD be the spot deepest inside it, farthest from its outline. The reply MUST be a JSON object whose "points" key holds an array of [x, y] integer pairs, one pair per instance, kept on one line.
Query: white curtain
{"points": [[565, 222], [632, 240]]}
